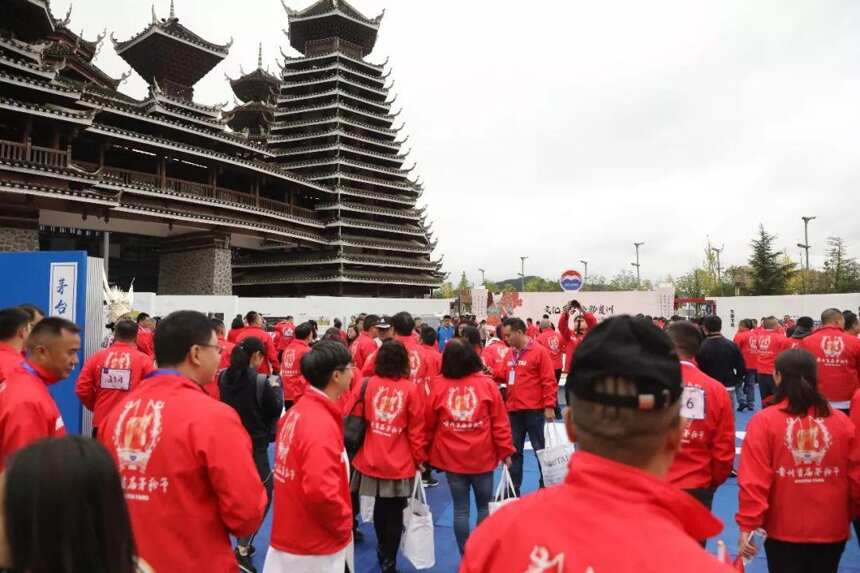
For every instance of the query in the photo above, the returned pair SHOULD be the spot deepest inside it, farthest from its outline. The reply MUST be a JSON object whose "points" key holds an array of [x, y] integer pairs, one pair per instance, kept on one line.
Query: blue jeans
{"points": [[482, 485], [746, 395], [524, 422]]}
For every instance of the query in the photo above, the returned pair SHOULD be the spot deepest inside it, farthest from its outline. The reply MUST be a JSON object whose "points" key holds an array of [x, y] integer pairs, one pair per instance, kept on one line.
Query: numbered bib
{"points": [[693, 403], [512, 377], [116, 379]]}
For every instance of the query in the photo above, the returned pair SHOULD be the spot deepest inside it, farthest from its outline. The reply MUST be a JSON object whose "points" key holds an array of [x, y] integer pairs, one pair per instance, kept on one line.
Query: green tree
{"points": [[596, 283], [624, 280], [445, 291], [538, 284], [771, 269], [841, 272]]}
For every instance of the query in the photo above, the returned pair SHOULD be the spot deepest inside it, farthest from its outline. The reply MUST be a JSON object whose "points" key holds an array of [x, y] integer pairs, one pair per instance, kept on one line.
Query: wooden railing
{"points": [[27, 153]]}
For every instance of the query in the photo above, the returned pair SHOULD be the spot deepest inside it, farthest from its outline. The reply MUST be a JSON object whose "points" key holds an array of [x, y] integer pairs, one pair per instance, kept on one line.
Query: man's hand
{"points": [[508, 461], [549, 414], [746, 547], [422, 468]]}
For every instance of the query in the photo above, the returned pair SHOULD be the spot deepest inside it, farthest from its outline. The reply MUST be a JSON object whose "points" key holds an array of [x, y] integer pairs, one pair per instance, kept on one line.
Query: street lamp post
{"points": [[483, 277], [805, 246], [719, 269], [636, 264], [523, 274], [585, 275]]}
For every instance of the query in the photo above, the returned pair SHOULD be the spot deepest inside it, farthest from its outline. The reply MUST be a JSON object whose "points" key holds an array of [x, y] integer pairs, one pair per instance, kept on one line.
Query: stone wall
{"points": [[14, 239], [204, 271]]}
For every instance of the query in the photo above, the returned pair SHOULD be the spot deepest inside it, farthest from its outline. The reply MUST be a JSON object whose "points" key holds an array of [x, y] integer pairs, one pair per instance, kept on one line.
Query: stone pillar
{"points": [[197, 263], [19, 229]]}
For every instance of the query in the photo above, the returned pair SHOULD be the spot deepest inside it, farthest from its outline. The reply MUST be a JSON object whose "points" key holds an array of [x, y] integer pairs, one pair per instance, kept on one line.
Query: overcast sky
{"points": [[567, 130]]}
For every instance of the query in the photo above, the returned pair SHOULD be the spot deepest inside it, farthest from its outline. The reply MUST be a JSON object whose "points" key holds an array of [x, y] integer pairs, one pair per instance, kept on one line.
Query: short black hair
{"points": [[392, 360], [830, 315], [321, 362], [403, 323], [370, 321], [289, 317], [447, 316], [460, 359], [218, 324], [11, 321], [337, 323], [49, 329], [713, 323], [515, 323], [471, 334], [177, 333], [32, 310], [806, 322], [850, 319], [142, 316], [50, 485], [428, 335], [125, 330], [252, 317], [686, 337], [303, 330]]}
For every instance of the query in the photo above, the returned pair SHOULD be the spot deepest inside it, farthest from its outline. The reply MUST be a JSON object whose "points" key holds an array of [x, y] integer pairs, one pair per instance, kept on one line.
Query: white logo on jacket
{"points": [[832, 346], [808, 439], [387, 403], [285, 441], [137, 432], [764, 343], [118, 360], [540, 561], [462, 403]]}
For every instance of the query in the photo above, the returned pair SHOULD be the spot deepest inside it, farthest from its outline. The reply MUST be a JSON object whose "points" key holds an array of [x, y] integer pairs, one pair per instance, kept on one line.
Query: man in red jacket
{"points": [[838, 357], [185, 459], [291, 365], [769, 340], [531, 392], [28, 413], [551, 340], [624, 393], [145, 328], [14, 328], [312, 520], [532, 330], [365, 344], [745, 340], [284, 332], [495, 356], [255, 329], [430, 346], [707, 451], [110, 374]]}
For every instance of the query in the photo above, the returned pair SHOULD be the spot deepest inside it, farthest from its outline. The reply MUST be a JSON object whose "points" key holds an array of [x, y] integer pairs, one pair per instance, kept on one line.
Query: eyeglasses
{"points": [[217, 347]]}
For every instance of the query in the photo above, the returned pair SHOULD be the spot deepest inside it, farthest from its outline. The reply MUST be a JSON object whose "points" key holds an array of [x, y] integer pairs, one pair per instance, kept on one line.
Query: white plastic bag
{"points": [[365, 508], [555, 455], [418, 545], [505, 492]]}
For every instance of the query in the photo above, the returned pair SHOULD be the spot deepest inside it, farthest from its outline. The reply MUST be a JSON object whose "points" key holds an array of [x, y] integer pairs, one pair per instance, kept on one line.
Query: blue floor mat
{"points": [[448, 557]]}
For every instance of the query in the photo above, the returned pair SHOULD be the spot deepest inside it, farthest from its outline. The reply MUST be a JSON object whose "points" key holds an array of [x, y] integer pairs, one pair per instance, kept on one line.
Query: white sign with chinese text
{"points": [[64, 283]]}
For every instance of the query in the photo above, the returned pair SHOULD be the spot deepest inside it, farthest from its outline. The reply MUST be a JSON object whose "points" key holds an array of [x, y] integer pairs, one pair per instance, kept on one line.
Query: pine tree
{"points": [[841, 271], [770, 272]]}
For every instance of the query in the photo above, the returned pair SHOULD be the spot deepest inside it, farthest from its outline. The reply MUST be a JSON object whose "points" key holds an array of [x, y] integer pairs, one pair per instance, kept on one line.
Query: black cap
{"points": [[383, 323], [632, 349]]}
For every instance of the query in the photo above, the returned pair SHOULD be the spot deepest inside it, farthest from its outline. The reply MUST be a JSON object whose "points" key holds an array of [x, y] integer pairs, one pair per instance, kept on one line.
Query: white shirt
{"points": [[283, 562]]}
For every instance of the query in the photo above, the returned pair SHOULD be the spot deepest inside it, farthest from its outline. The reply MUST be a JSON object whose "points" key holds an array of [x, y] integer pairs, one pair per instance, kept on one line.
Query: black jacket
{"points": [[721, 359], [241, 394]]}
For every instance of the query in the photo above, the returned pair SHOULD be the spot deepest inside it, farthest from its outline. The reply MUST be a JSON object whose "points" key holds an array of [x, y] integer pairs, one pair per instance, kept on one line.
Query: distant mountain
{"points": [[515, 283]]}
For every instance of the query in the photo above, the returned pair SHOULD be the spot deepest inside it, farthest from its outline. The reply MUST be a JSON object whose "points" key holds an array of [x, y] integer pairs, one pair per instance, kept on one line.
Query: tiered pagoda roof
{"points": [[307, 175]]}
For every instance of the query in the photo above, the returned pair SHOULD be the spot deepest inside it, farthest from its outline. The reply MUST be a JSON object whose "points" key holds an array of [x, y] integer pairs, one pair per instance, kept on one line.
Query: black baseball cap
{"points": [[629, 348], [383, 323]]}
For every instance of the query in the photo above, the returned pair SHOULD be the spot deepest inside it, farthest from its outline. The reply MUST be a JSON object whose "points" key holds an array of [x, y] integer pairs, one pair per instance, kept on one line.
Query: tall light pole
{"points": [[805, 245], [523, 274], [585, 276], [636, 264], [483, 278], [719, 269]]}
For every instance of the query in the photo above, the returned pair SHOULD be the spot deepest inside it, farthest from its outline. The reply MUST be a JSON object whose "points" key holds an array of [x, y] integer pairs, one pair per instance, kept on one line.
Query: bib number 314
{"points": [[116, 379]]}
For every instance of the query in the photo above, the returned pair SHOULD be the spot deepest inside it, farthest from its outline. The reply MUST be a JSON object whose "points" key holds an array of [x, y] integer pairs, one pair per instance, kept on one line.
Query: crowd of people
{"points": [[185, 413]]}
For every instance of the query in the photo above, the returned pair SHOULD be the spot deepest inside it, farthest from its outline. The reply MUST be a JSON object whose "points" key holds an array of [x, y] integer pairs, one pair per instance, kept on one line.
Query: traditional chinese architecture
{"points": [[301, 187]]}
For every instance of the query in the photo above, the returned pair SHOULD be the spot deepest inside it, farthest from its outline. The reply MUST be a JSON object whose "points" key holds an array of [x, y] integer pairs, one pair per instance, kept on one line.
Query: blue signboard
{"points": [[56, 282]]}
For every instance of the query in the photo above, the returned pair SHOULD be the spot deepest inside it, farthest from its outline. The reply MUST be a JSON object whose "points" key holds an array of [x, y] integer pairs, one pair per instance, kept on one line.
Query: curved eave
{"points": [[256, 86], [335, 22], [22, 66], [70, 116], [375, 226], [369, 278], [16, 188], [38, 85], [307, 59], [346, 259], [161, 29]]}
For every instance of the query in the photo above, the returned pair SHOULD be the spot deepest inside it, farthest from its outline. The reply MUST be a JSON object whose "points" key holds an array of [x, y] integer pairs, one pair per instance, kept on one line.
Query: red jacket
{"points": [[838, 357], [226, 352], [768, 343], [284, 333], [495, 356], [10, 359], [146, 341], [109, 375], [533, 331], [467, 425], [28, 413], [434, 361], [313, 508], [570, 339], [419, 364], [234, 334], [361, 349], [270, 364], [552, 341], [187, 472], [291, 370], [708, 444], [588, 524], [746, 343], [395, 442], [532, 386], [798, 476]]}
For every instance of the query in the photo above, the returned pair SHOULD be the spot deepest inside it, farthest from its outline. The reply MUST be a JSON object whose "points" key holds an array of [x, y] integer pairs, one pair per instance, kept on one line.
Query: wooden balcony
{"points": [[16, 152]]}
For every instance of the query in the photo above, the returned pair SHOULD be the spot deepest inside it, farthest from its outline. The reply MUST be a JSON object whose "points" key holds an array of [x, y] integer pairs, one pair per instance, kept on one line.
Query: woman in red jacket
{"points": [[394, 445], [468, 430], [798, 476]]}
